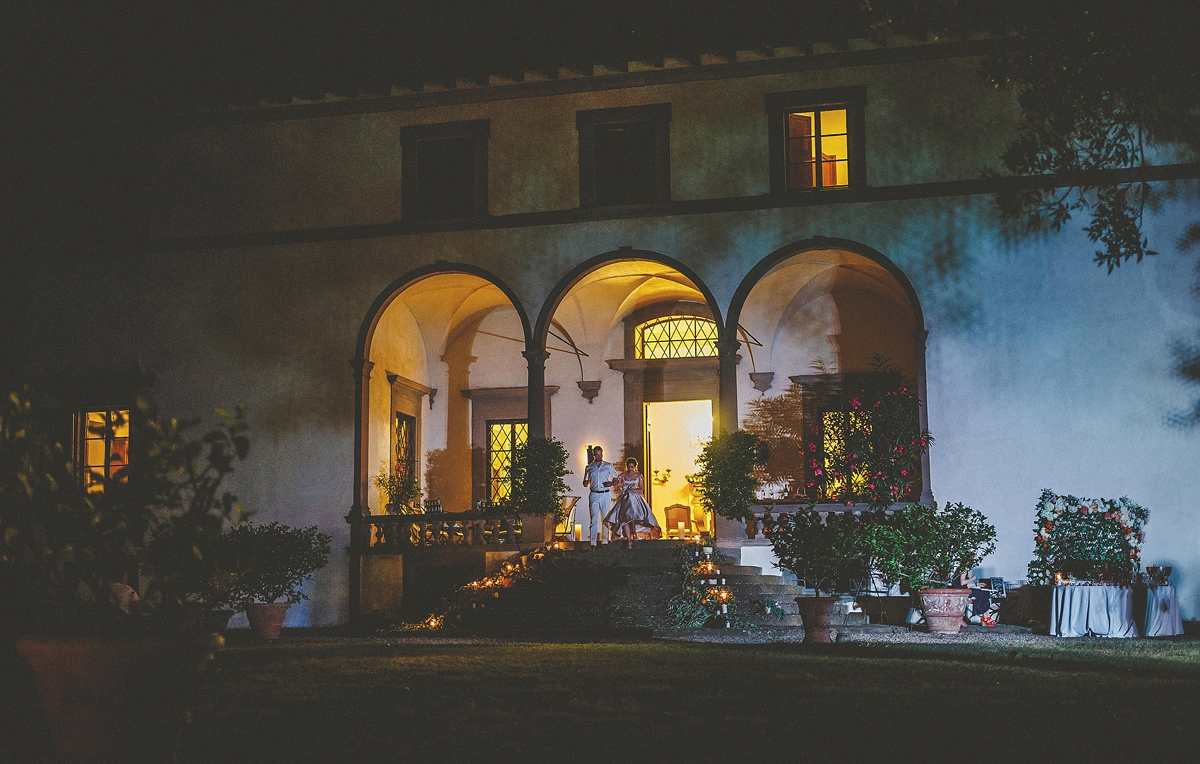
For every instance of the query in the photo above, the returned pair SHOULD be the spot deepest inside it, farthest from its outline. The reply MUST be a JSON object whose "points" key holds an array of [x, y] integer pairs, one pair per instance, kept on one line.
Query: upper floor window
{"points": [[816, 139], [624, 155], [676, 337], [104, 438], [406, 452], [444, 171]]}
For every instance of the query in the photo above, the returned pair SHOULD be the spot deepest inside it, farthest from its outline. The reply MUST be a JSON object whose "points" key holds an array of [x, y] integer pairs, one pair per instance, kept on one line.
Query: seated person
{"points": [[980, 609]]}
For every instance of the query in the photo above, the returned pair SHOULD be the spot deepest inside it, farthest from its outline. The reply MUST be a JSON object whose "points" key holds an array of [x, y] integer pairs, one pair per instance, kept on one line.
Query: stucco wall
{"points": [[1043, 371]]}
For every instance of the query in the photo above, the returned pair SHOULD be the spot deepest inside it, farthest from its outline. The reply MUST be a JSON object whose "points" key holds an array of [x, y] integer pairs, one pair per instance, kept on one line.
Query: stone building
{"points": [[627, 254]]}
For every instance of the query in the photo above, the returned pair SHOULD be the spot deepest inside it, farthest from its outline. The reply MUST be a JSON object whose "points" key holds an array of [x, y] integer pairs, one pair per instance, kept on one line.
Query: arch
{"points": [[576, 274], [899, 292], [784, 253], [442, 267]]}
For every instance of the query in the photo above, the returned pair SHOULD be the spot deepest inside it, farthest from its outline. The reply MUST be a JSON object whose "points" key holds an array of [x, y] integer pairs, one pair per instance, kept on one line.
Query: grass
{"points": [[368, 701]]}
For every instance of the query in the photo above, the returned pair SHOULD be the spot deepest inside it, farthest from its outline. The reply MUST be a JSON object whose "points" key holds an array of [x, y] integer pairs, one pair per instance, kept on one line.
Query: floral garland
{"points": [[1087, 539]]}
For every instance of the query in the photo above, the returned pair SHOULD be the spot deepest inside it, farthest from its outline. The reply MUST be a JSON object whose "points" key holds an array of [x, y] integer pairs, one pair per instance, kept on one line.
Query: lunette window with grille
{"points": [[676, 337], [406, 454], [105, 447], [503, 439]]}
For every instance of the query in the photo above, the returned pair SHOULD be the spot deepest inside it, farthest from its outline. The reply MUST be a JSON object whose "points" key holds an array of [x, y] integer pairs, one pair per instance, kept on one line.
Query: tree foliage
{"points": [[1100, 86], [538, 469], [725, 481]]}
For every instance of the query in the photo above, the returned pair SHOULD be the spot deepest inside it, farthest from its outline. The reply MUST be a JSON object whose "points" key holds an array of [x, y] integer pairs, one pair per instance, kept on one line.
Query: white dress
{"points": [[631, 516]]}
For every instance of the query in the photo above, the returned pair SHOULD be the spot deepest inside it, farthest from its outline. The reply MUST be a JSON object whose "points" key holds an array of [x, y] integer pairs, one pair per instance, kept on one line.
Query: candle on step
{"points": [[680, 529], [578, 531]]}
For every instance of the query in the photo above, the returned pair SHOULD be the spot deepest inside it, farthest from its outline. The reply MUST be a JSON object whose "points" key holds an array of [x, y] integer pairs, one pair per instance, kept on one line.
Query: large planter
{"points": [[815, 614], [944, 609], [537, 529], [113, 700], [266, 618]]}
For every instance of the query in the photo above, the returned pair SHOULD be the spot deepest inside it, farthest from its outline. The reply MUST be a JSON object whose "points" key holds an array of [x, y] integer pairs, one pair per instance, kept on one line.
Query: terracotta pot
{"points": [[752, 528], [944, 609], [815, 614], [113, 700], [266, 618]]}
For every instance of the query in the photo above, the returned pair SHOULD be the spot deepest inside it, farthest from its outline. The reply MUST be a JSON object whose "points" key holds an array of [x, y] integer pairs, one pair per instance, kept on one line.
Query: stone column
{"points": [[359, 530], [920, 337], [536, 413], [727, 406]]}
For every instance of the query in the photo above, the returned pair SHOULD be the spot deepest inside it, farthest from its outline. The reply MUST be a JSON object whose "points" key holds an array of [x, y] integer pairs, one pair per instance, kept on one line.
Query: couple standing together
{"points": [[630, 517]]}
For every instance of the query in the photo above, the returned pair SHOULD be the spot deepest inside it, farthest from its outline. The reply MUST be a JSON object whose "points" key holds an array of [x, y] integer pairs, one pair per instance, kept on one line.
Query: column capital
{"points": [[537, 357], [362, 367], [920, 337], [728, 346]]}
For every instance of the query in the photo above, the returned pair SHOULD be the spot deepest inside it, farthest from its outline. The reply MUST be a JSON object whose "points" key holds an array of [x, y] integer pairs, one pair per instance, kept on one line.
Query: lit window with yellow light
{"points": [[503, 439], [676, 337], [817, 149], [105, 449]]}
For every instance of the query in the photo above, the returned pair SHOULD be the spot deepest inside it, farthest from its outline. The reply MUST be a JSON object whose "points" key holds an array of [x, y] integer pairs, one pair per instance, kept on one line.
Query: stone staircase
{"points": [[618, 588]]}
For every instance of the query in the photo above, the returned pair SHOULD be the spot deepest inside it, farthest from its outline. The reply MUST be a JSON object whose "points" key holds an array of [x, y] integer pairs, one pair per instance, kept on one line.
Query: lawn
{"points": [[377, 700]]}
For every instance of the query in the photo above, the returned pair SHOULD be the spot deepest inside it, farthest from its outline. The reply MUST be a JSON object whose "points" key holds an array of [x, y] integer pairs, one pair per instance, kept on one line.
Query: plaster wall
{"points": [[925, 121]]}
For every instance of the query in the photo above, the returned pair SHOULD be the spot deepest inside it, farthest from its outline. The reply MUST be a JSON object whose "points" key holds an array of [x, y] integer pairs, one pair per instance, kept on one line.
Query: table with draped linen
{"points": [[1100, 610]]}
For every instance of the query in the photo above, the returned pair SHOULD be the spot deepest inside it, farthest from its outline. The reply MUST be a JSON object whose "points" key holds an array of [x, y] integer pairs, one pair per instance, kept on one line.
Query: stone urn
{"points": [[266, 618], [944, 609], [816, 613]]}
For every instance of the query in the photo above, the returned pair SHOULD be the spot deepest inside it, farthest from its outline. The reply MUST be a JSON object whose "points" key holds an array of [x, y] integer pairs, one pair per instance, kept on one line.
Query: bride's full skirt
{"points": [[631, 518]]}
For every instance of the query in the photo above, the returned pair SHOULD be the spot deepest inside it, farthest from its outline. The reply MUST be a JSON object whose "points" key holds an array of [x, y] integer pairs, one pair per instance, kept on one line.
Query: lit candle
{"points": [[578, 531], [680, 529]]}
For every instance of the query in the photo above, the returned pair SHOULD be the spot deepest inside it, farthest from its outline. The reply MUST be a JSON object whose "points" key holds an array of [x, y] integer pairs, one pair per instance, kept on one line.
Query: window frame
{"points": [[658, 115], [478, 131], [779, 105], [492, 497], [81, 445]]}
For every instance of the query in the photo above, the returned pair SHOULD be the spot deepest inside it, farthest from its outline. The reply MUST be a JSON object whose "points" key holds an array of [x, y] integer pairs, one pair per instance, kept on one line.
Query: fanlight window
{"points": [[676, 337]]}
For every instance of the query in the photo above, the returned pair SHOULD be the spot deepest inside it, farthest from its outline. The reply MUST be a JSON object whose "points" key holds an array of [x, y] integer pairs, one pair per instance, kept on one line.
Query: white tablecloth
{"points": [[1099, 610], [1162, 612]]}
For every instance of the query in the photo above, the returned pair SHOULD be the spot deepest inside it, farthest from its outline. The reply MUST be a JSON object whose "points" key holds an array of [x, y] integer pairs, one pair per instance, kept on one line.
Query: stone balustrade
{"points": [[399, 533]]}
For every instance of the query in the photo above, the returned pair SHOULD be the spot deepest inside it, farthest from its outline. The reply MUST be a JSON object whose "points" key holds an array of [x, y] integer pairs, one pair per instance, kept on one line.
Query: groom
{"points": [[599, 476]]}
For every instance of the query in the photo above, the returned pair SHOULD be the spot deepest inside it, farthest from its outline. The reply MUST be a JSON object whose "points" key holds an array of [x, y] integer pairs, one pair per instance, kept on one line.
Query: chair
{"points": [[679, 520], [568, 518], [700, 520]]}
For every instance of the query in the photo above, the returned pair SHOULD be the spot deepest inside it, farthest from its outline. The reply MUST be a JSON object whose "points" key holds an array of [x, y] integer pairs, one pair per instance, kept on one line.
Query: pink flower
{"points": [[903, 472]]}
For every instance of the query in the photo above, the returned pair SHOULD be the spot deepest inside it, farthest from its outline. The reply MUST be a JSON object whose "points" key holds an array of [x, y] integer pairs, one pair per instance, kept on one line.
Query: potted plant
{"points": [[927, 549], [401, 491], [111, 676], [271, 563], [538, 469], [725, 482], [831, 556]]}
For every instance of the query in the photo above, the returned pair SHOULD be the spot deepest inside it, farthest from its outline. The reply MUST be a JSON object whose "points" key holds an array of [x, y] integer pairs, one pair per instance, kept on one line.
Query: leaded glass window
{"points": [[105, 450], [676, 337], [503, 439], [406, 454], [835, 425]]}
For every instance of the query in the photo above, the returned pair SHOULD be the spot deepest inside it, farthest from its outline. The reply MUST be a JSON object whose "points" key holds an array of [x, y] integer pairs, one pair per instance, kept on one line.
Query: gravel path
{"points": [[872, 634]]}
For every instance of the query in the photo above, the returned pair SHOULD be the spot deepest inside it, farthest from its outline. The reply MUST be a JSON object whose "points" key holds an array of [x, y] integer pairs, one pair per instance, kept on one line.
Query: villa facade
{"points": [[627, 256]]}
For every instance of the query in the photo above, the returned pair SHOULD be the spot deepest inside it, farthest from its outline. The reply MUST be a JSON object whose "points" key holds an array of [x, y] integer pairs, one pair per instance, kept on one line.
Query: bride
{"points": [[631, 517]]}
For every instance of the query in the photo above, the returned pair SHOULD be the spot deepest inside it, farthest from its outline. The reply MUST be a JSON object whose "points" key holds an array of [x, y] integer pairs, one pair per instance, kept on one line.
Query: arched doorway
{"points": [[634, 342], [828, 310]]}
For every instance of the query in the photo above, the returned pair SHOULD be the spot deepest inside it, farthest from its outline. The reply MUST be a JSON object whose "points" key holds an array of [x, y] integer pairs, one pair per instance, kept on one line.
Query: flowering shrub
{"points": [[871, 440], [1088, 539]]}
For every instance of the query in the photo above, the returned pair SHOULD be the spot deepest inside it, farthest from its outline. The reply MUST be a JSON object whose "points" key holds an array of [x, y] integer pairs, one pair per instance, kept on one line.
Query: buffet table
{"points": [[1100, 610], [1163, 618]]}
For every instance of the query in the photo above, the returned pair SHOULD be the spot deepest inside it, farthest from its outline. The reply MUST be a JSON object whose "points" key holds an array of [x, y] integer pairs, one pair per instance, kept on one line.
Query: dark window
{"points": [[444, 172], [624, 155], [406, 453], [816, 139]]}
